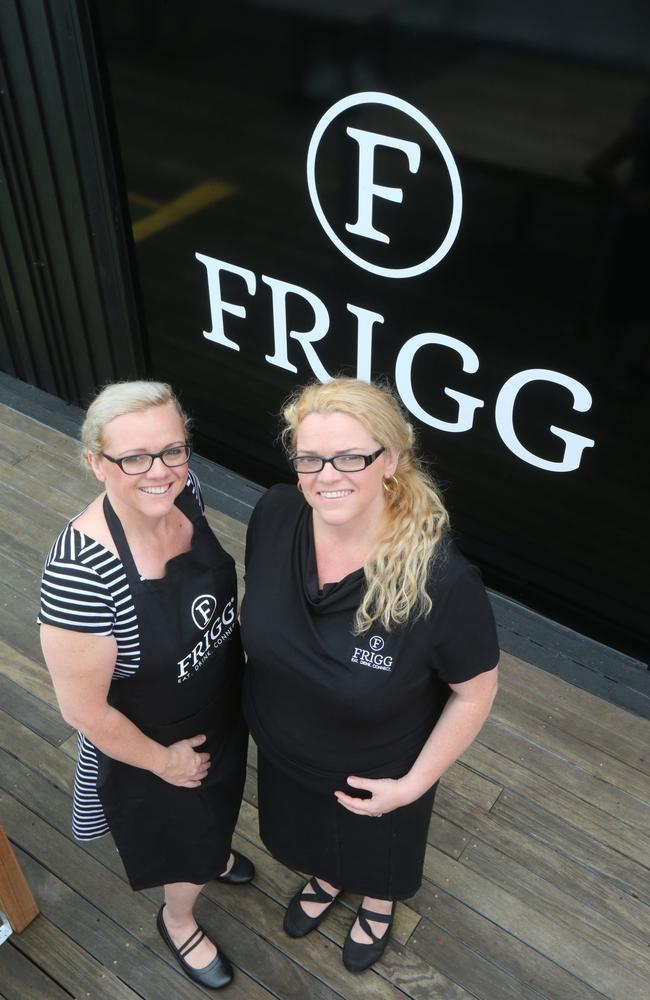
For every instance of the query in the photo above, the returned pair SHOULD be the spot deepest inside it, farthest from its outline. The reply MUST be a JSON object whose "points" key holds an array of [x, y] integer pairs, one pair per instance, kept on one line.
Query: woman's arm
{"points": [[458, 726], [81, 666]]}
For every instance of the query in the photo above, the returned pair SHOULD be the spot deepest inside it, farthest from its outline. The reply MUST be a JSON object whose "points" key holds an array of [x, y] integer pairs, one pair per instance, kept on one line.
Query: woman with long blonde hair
{"points": [[372, 657]]}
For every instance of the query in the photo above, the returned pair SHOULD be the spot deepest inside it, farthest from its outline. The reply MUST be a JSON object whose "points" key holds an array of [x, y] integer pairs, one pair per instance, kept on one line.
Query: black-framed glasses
{"points": [[342, 463], [134, 465]]}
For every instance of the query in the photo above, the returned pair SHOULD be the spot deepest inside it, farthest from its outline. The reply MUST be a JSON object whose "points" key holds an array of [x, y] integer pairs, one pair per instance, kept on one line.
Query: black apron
{"points": [[188, 682]]}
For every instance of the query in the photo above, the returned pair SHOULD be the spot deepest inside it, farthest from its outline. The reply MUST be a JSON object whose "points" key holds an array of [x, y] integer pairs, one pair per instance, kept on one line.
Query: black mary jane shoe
{"points": [[214, 976], [357, 956], [242, 871], [297, 923]]}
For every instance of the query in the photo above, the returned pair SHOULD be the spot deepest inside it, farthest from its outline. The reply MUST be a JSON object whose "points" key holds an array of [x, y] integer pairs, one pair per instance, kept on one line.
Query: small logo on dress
{"points": [[373, 657], [203, 609]]}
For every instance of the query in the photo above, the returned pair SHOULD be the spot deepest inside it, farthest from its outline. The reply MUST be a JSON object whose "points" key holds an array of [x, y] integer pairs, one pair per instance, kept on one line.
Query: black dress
{"points": [[188, 682], [323, 704]]}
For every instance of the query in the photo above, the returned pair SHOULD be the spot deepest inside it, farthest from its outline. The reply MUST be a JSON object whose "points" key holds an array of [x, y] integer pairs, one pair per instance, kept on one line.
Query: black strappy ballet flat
{"points": [[297, 923], [215, 975], [357, 956]]}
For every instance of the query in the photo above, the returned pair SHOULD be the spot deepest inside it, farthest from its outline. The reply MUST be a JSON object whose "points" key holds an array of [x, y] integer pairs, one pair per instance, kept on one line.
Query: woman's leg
{"points": [[178, 917], [379, 929]]}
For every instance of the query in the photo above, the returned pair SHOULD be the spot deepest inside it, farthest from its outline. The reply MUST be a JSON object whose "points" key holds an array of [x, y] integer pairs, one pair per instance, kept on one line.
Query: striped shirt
{"points": [[84, 589]]}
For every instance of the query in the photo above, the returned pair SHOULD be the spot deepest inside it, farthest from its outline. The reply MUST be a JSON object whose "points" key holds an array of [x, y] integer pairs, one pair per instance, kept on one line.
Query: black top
{"points": [[331, 703]]}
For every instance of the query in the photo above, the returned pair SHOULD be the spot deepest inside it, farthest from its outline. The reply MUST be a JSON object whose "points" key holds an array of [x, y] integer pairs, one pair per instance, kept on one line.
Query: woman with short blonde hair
{"points": [[139, 632], [372, 657]]}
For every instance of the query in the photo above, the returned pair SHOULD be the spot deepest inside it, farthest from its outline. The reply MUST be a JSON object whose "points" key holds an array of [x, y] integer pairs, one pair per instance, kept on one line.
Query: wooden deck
{"points": [[537, 877]]}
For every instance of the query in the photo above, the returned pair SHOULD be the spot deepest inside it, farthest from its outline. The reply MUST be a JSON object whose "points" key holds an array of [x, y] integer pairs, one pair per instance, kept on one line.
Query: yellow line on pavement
{"points": [[189, 203]]}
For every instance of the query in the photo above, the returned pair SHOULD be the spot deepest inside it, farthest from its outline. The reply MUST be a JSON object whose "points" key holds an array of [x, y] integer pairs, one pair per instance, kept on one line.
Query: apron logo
{"points": [[376, 643], [203, 609], [221, 628]]}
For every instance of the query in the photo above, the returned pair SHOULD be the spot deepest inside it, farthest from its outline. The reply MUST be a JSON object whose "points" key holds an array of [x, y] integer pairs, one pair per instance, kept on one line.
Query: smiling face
{"points": [[151, 493], [343, 498]]}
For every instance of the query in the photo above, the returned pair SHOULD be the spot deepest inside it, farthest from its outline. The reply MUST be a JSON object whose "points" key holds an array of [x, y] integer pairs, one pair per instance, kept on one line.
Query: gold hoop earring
{"points": [[391, 486], [299, 486]]}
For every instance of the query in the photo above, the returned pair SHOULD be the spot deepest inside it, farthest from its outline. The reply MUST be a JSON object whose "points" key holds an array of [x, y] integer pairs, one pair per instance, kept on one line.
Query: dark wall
{"points": [[521, 352], [68, 316]]}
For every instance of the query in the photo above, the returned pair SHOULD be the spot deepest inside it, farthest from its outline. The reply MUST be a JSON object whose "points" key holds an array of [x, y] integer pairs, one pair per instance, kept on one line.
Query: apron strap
{"points": [[186, 502], [189, 505], [121, 544]]}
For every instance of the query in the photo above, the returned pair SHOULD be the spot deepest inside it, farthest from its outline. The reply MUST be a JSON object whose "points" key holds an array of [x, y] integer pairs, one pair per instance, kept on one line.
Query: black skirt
{"points": [[307, 829]]}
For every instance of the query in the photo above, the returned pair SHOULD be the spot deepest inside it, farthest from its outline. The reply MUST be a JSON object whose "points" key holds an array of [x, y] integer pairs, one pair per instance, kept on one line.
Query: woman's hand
{"points": [[387, 794], [183, 765]]}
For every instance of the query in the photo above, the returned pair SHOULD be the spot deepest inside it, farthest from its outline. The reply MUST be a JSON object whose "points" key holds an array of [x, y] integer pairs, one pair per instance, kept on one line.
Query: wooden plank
{"points": [[417, 977], [585, 887], [534, 926], [22, 607], [553, 691], [72, 482], [33, 456], [608, 829], [543, 839], [448, 920], [477, 788], [574, 841], [588, 730], [30, 673], [33, 713], [26, 483], [22, 578], [36, 754], [477, 974], [22, 637], [582, 784], [591, 758], [21, 979], [443, 834], [22, 507], [618, 942], [69, 747], [53, 805], [16, 424], [20, 552], [69, 965], [231, 533], [16, 899]]}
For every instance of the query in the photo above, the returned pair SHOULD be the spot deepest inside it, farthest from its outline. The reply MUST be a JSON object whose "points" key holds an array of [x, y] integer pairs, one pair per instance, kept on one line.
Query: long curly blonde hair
{"points": [[398, 567]]}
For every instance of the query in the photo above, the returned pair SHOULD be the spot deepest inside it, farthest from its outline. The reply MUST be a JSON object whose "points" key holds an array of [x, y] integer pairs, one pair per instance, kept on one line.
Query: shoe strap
{"points": [[186, 948], [319, 895], [365, 915]]}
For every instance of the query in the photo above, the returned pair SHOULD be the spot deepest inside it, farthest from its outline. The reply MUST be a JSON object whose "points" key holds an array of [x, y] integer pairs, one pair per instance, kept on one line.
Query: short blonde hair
{"points": [[118, 399], [398, 568]]}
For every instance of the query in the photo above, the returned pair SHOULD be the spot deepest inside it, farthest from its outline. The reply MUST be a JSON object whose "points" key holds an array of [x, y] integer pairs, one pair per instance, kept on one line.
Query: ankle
{"points": [[377, 905], [175, 919]]}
